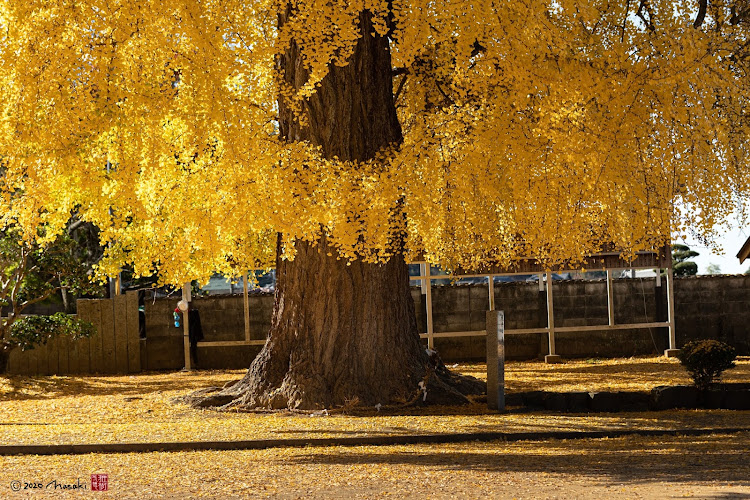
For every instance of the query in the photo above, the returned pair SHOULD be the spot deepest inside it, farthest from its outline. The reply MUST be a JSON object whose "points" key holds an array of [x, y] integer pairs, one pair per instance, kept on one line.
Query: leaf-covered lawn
{"points": [[632, 467], [104, 409], [619, 374]]}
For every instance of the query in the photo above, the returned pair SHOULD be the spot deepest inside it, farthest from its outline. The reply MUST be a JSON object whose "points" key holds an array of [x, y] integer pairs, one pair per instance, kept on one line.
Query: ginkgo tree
{"points": [[338, 139]]}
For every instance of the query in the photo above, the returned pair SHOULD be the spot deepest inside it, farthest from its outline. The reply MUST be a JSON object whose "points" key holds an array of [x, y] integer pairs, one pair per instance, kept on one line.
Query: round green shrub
{"points": [[705, 360]]}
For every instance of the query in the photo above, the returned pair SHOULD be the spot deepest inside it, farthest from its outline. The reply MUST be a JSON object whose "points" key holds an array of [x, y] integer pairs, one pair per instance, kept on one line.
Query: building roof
{"points": [[744, 251], [658, 259]]}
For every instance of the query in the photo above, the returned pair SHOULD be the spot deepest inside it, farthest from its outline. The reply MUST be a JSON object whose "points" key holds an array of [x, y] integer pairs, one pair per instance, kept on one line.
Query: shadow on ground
{"points": [[628, 460], [21, 388]]}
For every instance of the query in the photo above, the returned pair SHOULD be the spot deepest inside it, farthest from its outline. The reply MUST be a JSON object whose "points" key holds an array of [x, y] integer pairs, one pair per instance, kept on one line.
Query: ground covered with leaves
{"points": [[632, 467], [106, 409], [142, 408]]}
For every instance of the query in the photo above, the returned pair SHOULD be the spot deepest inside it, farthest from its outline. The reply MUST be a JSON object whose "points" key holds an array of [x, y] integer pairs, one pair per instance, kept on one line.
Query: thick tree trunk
{"points": [[4, 356], [352, 115], [342, 334], [4, 348]]}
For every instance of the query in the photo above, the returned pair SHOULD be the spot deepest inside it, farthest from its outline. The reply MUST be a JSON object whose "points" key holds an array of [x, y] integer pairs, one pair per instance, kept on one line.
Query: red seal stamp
{"points": [[99, 482]]}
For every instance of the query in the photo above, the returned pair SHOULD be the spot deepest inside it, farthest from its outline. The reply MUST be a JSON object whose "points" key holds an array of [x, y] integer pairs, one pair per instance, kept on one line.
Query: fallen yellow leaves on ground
{"points": [[140, 408], [595, 374], [633, 467]]}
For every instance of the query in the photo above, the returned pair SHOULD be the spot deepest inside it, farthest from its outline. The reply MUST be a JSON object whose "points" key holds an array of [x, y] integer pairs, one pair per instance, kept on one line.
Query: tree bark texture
{"points": [[352, 114], [342, 333], [4, 356], [5, 348]]}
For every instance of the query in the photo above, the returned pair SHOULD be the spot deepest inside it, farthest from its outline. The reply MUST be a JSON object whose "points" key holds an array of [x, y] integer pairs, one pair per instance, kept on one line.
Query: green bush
{"points": [[705, 360], [31, 331]]}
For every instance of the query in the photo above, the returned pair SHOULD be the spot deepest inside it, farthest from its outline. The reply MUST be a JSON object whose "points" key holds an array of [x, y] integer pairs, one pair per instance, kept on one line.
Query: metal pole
{"points": [[430, 332], [246, 304], [610, 299], [186, 325], [552, 357], [672, 351]]}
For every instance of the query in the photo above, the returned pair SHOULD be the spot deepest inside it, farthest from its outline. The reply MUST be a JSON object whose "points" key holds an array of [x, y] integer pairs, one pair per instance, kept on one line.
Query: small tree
{"points": [[30, 272], [705, 360], [680, 260], [713, 268], [82, 238]]}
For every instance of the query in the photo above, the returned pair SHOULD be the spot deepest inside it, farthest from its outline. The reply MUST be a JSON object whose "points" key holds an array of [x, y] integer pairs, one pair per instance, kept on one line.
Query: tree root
{"points": [[439, 386]]}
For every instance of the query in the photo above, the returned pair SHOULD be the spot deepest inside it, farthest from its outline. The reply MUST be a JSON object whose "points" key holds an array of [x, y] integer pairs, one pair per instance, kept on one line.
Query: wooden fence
{"points": [[114, 348]]}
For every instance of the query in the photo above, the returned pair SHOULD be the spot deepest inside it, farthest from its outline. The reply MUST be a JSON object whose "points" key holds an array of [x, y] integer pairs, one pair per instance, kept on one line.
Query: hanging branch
{"points": [[702, 5], [645, 5], [624, 21], [738, 17], [400, 88]]}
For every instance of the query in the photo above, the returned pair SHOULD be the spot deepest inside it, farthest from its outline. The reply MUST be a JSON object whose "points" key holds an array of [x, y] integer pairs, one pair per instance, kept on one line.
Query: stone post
{"points": [[495, 360]]}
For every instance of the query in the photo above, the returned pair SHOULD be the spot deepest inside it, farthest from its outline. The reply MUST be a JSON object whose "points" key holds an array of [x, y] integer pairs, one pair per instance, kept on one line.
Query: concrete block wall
{"points": [[576, 303], [705, 307], [715, 308], [585, 303], [222, 318]]}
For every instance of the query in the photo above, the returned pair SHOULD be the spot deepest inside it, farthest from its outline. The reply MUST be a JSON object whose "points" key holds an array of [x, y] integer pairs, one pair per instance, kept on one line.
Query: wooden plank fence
{"points": [[114, 348]]}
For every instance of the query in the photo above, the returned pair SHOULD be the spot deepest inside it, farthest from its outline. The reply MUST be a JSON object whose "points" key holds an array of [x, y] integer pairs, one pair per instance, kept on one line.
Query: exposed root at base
{"points": [[439, 386]]}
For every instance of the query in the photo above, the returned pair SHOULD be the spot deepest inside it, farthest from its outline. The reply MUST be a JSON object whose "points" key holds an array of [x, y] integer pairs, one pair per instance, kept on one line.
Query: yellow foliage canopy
{"points": [[531, 128]]}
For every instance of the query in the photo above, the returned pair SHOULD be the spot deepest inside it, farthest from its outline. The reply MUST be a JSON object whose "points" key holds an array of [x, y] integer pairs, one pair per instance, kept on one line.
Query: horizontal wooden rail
{"points": [[522, 331], [230, 343]]}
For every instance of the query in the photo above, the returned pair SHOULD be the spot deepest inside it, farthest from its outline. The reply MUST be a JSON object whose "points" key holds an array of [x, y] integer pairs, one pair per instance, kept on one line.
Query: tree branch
{"points": [[399, 89], [446, 96], [20, 275], [744, 15], [75, 225], [624, 20], [702, 5], [644, 5], [26, 303]]}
